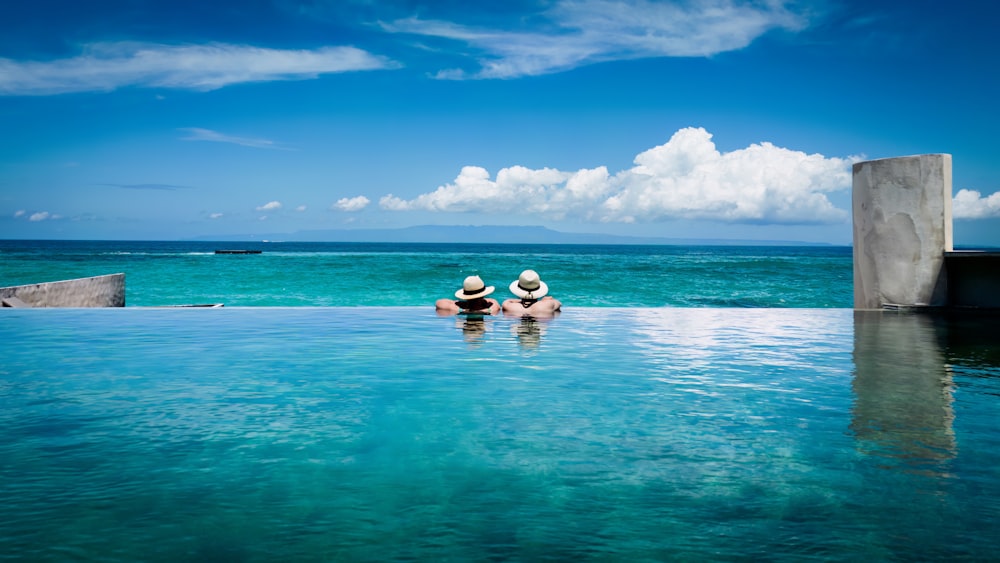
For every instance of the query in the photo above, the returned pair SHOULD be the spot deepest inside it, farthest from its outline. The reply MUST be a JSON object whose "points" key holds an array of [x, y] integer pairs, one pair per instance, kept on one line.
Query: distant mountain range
{"points": [[487, 234]]}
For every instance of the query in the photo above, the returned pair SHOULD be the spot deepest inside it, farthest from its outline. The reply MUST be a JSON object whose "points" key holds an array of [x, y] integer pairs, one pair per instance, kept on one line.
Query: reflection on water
{"points": [[903, 390], [473, 328], [529, 331]]}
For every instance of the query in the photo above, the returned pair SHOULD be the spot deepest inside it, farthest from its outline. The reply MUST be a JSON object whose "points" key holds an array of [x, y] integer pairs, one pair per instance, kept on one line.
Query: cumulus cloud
{"points": [[109, 66], [573, 33], [970, 204], [351, 204], [685, 178], [40, 216], [199, 134], [269, 206], [515, 188], [19, 213]]}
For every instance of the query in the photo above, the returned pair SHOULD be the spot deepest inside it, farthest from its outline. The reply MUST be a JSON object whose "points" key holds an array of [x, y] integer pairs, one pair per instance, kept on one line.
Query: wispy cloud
{"points": [[37, 216], [351, 204], [685, 178], [215, 215], [198, 134], [162, 187], [574, 33], [42, 216], [109, 66], [269, 206]]}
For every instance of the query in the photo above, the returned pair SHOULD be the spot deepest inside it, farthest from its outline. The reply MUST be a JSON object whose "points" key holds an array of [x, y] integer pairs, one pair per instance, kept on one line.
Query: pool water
{"points": [[260, 434]]}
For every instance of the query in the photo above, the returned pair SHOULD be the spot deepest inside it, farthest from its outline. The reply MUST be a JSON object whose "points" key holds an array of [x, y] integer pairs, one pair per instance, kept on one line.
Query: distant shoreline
{"points": [[262, 243], [453, 234]]}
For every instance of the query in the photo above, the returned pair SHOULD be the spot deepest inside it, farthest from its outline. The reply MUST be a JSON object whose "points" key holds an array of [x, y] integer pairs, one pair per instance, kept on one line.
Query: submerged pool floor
{"points": [[391, 433]]}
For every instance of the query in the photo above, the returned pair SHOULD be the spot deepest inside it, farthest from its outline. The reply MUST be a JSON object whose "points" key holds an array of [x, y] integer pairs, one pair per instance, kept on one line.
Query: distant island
{"points": [[487, 235]]}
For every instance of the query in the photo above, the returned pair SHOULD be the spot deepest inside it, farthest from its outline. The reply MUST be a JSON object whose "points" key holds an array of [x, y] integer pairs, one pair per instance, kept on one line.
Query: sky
{"points": [[166, 120]]}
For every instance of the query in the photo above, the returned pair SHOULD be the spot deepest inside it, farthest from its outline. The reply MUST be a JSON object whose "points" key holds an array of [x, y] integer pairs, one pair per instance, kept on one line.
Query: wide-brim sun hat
{"points": [[529, 286], [473, 287]]}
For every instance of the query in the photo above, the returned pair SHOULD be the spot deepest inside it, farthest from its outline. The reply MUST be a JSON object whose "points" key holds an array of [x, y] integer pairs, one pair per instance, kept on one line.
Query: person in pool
{"points": [[533, 299], [471, 299]]}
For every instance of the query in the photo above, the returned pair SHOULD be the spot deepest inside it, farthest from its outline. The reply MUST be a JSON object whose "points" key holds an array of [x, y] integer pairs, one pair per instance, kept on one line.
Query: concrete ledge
{"points": [[13, 302], [910, 308], [98, 291], [976, 255], [195, 305]]}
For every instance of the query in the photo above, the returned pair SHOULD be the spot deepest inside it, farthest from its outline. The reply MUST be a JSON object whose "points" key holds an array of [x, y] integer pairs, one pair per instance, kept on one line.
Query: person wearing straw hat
{"points": [[533, 298], [471, 299]]}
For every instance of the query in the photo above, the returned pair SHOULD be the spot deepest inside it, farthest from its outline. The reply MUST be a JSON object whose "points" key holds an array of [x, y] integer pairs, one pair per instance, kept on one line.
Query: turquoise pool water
{"points": [[258, 434]]}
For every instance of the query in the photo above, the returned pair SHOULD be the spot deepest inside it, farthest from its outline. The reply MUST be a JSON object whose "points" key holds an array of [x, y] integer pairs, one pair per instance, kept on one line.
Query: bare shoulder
{"points": [[508, 304], [549, 305], [445, 307], [494, 306], [545, 307]]}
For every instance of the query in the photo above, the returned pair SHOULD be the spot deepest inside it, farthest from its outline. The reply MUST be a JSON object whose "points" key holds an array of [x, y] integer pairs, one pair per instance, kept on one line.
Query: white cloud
{"points": [[215, 216], [581, 32], [970, 204], [40, 216], [686, 178], [516, 188], [271, 205], [198, 134], [19, 213], [108, 66], [300, 208], [351, 204]]}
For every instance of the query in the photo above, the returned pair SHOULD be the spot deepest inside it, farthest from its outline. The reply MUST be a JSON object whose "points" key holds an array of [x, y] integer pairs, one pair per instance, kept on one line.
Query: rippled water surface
{"points": [[267, 434]]}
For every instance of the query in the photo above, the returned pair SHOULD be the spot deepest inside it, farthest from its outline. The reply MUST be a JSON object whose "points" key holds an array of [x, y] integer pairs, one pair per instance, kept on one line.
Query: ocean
{"points": [[414, 274], [690, 403]]}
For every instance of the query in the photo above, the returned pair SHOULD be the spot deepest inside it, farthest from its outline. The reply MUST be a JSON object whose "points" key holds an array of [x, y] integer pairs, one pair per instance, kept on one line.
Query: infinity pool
{"points": [[267, 434]]}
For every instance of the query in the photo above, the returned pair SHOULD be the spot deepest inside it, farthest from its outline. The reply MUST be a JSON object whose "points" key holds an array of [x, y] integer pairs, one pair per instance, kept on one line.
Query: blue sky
{"points": [[133, 119]]}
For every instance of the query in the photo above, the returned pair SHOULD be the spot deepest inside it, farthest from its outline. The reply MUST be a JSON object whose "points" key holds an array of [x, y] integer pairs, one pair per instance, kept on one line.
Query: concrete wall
{"points": [[99, 291], [973, 279], [902, 228]]}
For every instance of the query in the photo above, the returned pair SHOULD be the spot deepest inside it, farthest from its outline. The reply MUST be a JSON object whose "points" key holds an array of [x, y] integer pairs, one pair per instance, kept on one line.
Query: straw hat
{"points": [[472, 288], [529, 286]]}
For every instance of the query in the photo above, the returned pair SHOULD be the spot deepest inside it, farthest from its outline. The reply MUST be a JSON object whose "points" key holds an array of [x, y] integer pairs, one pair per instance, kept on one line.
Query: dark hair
{"points": [[475, 303]]}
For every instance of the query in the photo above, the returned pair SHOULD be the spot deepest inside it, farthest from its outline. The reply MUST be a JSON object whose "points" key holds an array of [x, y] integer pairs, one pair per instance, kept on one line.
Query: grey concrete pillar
{"points": [[902, 228]]}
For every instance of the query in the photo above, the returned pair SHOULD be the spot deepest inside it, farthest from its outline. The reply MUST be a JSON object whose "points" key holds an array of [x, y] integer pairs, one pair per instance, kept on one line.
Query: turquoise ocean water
{"points": [[350, 274], [755, 417]]}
